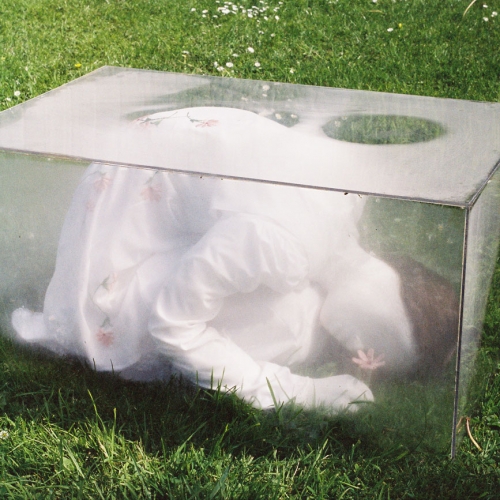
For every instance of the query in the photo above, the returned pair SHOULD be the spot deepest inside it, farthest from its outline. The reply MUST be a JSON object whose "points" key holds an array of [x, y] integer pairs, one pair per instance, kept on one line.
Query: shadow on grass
{"points": [[174, 422], [39, 386]]}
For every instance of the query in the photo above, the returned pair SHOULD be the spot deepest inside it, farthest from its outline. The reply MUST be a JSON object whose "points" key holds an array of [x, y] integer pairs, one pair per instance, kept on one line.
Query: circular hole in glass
{"points": [[382, 129]]}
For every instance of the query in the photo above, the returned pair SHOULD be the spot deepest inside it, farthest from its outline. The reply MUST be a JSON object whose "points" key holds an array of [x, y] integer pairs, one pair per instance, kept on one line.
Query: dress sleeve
{"points": [[237, 255]]}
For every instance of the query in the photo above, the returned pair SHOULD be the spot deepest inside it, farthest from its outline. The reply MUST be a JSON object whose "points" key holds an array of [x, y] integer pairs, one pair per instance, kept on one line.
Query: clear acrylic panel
{"points": [[483, 235], [319, 245], [35, 194], [296, 285]]}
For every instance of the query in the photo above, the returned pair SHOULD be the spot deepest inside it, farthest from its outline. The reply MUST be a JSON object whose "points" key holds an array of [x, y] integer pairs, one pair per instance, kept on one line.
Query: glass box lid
{"points": [[438, 150]]}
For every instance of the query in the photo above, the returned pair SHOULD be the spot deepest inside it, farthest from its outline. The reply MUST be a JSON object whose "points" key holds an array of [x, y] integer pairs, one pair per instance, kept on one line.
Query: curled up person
{"points": [[231, 282]]}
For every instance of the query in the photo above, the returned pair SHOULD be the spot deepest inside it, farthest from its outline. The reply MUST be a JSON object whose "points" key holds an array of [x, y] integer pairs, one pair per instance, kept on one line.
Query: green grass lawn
{"points": [[67, 432]]}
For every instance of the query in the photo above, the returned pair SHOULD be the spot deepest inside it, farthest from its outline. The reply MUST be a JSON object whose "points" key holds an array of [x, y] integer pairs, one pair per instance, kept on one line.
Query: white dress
{"points": [[225, 279]]}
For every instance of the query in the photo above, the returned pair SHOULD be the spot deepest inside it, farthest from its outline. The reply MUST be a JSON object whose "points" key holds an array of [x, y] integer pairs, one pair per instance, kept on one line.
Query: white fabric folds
{"points": [[229, 281]]}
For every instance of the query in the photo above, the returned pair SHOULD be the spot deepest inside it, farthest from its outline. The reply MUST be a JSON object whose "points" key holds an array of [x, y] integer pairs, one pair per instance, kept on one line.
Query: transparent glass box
{"points": [[257, 234]]}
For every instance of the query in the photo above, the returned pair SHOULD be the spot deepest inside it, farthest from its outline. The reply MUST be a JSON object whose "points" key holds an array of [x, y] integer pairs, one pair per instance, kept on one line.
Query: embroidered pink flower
{"points": [[102, 183], [105, 337], [110, 282], [207, 123], [90, 206], [151, 193], [143, 121], [146, 121], [368, 361]]}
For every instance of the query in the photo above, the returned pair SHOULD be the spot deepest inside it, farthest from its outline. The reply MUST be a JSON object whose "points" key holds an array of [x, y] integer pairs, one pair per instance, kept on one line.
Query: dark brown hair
{"points": [[433, 309]]}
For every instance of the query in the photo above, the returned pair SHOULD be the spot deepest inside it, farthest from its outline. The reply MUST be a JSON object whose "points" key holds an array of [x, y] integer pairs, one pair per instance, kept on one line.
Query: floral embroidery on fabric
{"points": [[105, 337], [151, 191], [207, 123], [146, 121], [105, 334], [203, 123], [103, 182], [109, 282], [90, 206]]}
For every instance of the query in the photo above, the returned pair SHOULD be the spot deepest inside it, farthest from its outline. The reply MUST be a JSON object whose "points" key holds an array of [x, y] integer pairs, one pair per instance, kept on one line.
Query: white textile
{"points": [[227, 279]]}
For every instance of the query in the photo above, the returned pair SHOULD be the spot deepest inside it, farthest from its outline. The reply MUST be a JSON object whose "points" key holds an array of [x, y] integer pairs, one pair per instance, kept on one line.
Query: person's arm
{"points": [[239, 254]]}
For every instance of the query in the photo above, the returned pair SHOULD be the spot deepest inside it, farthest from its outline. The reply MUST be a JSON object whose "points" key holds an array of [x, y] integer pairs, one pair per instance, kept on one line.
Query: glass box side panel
{"points": [[324, 296], [35, 194], [425, 242], [483, 237]]}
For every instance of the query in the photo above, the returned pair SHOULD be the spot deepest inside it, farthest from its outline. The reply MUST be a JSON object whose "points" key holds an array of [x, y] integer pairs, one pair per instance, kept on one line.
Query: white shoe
{"points": [[28, 325], [337, 394]]}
